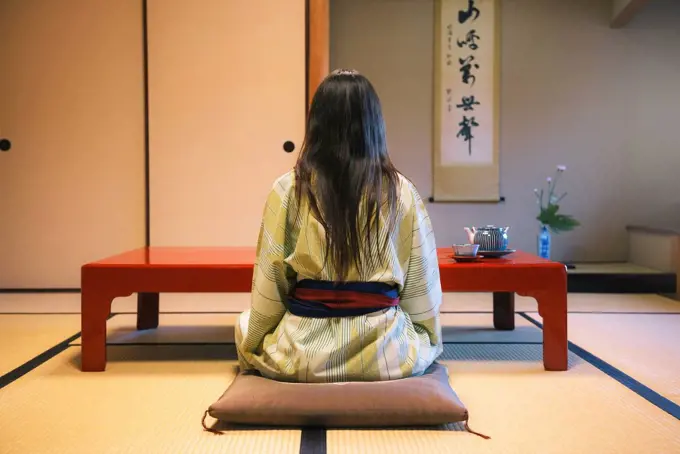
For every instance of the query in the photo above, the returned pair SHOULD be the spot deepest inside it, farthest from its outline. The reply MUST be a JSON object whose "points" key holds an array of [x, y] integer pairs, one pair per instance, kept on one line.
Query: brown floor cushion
{"points": [[426, 400]]}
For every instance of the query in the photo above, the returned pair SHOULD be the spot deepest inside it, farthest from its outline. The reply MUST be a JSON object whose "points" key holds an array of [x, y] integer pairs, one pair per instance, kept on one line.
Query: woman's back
{"points": [[346, 282], [306, 247]]}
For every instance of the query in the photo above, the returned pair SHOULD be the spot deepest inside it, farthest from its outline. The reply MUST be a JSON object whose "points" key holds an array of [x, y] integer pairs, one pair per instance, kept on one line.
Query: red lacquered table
{"points": [[154, 270]]}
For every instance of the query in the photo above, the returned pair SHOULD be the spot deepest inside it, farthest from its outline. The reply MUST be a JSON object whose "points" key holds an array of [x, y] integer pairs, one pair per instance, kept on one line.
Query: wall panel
{"points": [[226, 91], [71, 91]]}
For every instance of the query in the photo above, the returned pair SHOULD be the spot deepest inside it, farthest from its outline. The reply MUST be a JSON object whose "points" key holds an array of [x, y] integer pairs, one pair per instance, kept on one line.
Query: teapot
{"points": [[489, 238]]}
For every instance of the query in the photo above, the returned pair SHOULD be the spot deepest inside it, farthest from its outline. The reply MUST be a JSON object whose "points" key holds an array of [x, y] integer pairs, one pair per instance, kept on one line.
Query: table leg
{"points": [[147, 310], [95, 310], [552, 306], [504, 311]]}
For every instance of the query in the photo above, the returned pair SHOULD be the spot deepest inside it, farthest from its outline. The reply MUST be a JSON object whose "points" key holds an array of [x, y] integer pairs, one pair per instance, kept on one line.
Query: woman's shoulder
{"points": [[409, 195], [284, 184]]}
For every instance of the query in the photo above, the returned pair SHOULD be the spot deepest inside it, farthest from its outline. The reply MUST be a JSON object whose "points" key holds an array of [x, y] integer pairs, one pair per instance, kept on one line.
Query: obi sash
{"points": [[323, 299]]}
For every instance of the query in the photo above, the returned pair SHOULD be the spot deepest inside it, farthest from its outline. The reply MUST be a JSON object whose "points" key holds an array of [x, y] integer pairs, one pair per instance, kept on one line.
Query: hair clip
{"points": [[345, 72]]}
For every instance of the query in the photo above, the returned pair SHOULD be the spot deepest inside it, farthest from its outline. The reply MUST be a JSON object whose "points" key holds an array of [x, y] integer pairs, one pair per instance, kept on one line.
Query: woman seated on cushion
{"points": [[346, 283]]}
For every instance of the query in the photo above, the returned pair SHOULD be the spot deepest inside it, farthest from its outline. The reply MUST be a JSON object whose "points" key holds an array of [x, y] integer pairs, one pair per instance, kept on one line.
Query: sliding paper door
{"points": [[226, 92], [72, 114]]}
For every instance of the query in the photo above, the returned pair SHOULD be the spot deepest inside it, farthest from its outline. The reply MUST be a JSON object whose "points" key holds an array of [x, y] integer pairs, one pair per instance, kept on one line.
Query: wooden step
{"points": [[623, 277], [656, 247]]}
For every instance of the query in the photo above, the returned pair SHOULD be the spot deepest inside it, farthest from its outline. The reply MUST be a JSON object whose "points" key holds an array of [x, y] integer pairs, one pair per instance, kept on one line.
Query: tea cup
{"points": [[465, 250]]}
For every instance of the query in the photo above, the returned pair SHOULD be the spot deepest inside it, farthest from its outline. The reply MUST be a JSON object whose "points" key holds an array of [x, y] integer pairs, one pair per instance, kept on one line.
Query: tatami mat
{"points": [[23, 337], [577, 302], [644, 346], [149, 400], [597, 302], [238, 302], [191, 302], [173, 328], [151, 397], [219, 328], [466, 327], [529, 411], [40, 303]]}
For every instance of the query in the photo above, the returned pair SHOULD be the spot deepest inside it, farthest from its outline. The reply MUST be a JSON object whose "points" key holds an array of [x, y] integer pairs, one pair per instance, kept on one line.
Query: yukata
{"points": [[382, 324]]}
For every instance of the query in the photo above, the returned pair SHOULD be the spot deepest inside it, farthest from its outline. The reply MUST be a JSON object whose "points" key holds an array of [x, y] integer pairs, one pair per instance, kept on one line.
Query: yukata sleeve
{"points": [[271, 277], [421, 296]]}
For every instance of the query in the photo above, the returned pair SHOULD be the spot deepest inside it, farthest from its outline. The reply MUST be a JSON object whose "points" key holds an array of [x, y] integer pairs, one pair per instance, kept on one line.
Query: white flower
{"points": [[549, 180], [561, 168]]}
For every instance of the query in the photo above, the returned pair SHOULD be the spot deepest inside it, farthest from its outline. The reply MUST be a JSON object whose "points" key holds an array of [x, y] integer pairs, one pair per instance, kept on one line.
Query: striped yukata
{"points": [[303, 328]]}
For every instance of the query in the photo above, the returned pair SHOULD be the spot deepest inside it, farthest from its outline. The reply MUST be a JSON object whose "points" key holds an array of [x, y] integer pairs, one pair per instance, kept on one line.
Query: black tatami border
{"points": [[39, 360], [13, 375], [313, 441]]}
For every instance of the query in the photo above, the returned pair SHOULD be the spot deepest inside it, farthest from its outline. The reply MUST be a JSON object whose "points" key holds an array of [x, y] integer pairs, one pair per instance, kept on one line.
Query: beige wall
{"points": [[652, 136], [603, 102]]}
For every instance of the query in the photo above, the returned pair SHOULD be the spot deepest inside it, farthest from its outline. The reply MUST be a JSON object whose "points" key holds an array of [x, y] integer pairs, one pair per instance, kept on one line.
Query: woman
{"points": [[346, 282]]}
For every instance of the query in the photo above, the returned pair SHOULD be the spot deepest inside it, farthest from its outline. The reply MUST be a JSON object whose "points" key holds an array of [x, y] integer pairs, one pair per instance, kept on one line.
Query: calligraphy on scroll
{"points": [[466, 88]]}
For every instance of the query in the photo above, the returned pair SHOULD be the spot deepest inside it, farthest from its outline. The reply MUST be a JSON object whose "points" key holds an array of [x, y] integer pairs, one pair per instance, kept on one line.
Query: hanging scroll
{"points": [[466, 101]]}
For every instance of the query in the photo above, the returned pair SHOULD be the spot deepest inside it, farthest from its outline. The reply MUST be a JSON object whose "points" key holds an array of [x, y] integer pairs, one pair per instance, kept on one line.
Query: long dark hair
{"points": [[345, 174]]}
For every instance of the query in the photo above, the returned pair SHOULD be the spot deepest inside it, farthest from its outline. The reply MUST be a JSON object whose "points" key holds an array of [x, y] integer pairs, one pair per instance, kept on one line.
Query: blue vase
{"points": [[544, 243]]}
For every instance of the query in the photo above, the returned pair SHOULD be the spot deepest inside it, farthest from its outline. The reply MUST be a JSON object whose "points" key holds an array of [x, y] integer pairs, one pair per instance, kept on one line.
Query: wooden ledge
{"points": [[671, 231]]}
